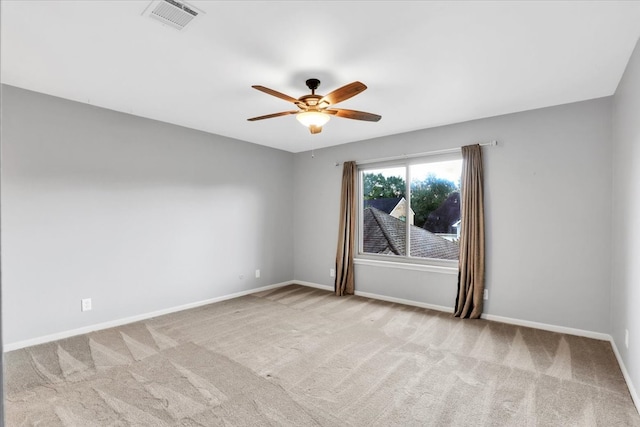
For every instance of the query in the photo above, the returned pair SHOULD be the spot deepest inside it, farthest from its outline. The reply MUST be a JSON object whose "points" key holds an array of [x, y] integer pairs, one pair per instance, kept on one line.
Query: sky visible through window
{"points": [[449, 170]]}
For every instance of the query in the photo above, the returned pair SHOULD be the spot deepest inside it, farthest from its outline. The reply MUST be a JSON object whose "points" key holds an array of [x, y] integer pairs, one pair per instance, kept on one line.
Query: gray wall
{"points": [[626, 217], [548, 186], [140, 215], [136, 214]]}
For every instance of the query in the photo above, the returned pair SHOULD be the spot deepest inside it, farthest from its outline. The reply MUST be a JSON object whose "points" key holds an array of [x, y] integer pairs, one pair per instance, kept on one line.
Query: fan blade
{"points": [[342, 93], [355, 115], [275, 93], [270, 116]]}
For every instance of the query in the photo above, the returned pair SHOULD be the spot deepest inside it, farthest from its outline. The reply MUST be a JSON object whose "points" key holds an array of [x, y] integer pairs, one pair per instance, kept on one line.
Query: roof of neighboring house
{"points": [[385, 205], [447, 214], [384, 234]]}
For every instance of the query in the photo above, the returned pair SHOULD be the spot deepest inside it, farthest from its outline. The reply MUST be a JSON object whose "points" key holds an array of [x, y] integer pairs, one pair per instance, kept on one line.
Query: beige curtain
{"points": [[471, 262], [347, 231]]}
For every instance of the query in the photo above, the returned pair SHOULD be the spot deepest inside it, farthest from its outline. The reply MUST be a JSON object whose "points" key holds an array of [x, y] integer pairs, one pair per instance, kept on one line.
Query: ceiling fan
{"points": [[314, 110]]}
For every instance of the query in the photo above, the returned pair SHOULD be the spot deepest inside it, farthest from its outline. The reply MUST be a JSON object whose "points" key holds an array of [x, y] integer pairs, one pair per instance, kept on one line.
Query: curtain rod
{"points": [[428, 153]]}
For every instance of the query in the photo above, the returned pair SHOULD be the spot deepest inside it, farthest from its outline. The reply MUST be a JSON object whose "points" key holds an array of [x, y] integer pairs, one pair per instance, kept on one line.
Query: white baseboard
{"points": [[405, 301], [312, 285], [119, 322], [548, 327], [378, 297], [625, 374]]}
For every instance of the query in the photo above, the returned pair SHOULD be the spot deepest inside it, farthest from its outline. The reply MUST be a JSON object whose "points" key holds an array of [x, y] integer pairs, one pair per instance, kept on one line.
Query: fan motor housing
{"points": [[310, 100]]}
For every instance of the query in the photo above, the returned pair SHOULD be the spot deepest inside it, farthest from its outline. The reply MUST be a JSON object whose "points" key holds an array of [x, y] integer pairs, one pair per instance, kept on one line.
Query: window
{"points": [[418, 198]]}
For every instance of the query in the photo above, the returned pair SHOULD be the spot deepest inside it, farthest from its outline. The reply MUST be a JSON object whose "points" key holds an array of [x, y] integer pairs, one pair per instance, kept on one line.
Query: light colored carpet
{"points": [[300, 356]]}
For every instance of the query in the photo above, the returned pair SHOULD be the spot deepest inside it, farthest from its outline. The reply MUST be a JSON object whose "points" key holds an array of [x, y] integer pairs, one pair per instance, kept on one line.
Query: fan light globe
{"points": [[312, 118]]}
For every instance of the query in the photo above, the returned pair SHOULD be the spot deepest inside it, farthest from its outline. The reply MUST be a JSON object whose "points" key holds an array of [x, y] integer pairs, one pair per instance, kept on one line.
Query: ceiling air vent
{"points": [[171, 12]]}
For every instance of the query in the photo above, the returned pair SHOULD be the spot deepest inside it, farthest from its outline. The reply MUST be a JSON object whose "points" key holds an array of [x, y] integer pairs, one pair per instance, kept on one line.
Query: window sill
{"points": [[443, 269]]}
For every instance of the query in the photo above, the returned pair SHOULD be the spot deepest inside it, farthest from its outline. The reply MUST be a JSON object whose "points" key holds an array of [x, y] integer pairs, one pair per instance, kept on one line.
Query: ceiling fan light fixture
{"points": [[313, 109], [313, 118]]}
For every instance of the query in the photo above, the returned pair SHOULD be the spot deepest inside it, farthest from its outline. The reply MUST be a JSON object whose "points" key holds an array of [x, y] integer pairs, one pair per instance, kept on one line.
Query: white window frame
{"points": [[406, 262]]}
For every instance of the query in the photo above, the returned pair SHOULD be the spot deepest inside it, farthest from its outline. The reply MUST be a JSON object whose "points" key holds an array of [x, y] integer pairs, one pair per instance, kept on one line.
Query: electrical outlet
{"points": [[485, 296], [85, 304], [626, 338], [332, 272], [257, 274], [241, 277]]}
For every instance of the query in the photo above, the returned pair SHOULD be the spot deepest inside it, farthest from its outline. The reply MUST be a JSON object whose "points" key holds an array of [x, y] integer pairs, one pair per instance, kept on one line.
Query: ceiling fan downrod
{"points": [[313, 85]]}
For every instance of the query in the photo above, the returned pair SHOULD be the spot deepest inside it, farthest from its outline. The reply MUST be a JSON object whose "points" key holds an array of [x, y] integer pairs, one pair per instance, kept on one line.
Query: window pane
{"points": [[435, 206], [384, 211]]}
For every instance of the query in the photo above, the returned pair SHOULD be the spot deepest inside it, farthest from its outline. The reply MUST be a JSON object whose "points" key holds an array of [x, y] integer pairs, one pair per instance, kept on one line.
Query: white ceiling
{"points": [[425, 63]]}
